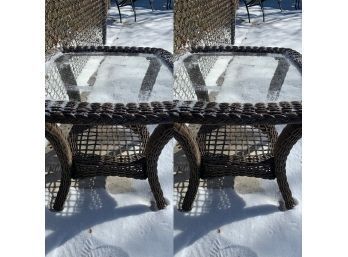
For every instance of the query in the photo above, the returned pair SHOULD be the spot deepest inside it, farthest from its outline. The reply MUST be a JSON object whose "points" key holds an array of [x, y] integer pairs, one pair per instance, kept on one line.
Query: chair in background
{"points": [[122, 3], [298, 4], [251, 3]]}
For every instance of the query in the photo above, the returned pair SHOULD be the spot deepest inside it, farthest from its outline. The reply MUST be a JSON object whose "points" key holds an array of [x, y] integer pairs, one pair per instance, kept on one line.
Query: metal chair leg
{"points": [[246, 6], [135, 14], [280, 5], [263, 13], [297, 4], [119, 11]]}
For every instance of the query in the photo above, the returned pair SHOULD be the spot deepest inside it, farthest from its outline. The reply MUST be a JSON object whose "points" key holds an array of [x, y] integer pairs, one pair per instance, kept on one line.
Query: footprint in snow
{"points": [[220, 249], [223, 248], [94, 248]]}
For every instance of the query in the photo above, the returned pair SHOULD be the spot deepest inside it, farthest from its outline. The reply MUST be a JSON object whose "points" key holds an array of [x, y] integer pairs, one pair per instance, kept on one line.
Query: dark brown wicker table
{"points": [[246, 82], [122, 75], [263, 153]]}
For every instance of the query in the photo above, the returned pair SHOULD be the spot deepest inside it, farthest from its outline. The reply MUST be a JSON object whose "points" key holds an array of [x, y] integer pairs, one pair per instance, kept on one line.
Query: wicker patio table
{"points": [[82, 155], [115, 143], [244, 92]]}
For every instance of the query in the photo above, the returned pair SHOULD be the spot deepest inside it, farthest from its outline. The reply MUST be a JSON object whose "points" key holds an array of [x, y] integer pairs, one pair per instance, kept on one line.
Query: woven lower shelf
{"points": [[212, 168], [89, 167]]}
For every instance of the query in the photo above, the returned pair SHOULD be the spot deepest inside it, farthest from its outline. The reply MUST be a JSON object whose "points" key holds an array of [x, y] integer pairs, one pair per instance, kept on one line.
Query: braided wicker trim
{"points": [[293, 55], [177, 111], [164, 55], [173, 111]]}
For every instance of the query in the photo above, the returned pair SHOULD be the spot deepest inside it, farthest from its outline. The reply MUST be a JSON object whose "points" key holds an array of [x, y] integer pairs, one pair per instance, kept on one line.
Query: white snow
{"points": [[118, 219], [247, 79], [152, 29], [119, 79]]}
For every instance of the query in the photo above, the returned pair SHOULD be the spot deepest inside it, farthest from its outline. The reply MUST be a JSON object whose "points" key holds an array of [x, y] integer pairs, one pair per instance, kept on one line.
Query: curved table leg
{"points": [[190, 147], [61, 146], [158, 139], [286, 140]]}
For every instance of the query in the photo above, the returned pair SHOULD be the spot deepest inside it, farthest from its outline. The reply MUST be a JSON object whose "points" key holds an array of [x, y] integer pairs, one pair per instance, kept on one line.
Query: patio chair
{"points": [[169, 4], [203, 22], [121, 3], [251, 3], [298, 4]]}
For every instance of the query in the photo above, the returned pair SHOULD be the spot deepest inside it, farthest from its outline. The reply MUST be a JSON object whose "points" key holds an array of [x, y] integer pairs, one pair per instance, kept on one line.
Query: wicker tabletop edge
{"points": [[176, 111], [196, 112]]}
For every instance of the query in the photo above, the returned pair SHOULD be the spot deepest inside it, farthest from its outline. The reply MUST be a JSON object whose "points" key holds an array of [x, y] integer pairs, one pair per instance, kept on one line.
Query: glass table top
{"points": [[237, 77], [108, 77], [219, 77]]}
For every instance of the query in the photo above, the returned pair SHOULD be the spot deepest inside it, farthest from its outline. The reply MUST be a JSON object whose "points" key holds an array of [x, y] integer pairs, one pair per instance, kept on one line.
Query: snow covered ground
{"points": [[152, 29], [281, 29], [116, 217]]}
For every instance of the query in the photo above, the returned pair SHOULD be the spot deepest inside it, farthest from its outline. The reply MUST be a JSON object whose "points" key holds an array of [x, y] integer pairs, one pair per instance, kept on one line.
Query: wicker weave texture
{"points": [[190, 86], [109, 150], [203, 22], [74, 22], [239, 144], [253, 151], [237, 150], [54, 86]]}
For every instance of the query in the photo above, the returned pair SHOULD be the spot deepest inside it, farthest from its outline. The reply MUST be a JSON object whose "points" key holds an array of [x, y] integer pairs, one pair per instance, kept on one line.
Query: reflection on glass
{"points": [[108, 78], [236, 77]]}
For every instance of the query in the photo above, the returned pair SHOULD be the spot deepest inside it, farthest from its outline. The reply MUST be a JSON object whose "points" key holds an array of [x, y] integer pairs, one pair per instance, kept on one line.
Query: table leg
{"points": [[286, 140], [158, 139], [61, 146], [190, 147]]}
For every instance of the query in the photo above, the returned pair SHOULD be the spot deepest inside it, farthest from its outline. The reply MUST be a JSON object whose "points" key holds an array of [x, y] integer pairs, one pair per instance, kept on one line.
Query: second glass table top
{"points": [[237, 77]]}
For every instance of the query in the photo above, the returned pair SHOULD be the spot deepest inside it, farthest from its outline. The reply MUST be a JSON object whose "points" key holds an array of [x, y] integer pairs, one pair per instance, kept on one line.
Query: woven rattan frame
{"points": [[74, 22], [173, 112], [257, 151], [196, 112], [203, 22], [71, 23], [169, 113], [231, 150], [272, 168], [107, 150]]}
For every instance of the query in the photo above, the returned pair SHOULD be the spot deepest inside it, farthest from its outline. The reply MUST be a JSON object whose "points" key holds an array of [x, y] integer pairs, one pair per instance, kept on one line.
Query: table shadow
{"points": [[85, 207], [216, 204]]}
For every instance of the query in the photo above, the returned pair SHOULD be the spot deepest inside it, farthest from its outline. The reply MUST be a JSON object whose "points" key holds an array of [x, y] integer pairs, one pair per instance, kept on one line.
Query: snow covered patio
{"points": [[116, 217], [152, 29]]}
